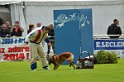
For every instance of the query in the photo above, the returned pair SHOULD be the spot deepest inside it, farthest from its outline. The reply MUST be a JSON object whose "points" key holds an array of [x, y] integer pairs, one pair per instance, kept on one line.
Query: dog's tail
{"points": [[71, 56], [71, 60]]}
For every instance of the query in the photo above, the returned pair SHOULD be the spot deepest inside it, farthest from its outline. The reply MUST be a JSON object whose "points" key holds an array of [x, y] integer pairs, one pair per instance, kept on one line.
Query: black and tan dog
{"points": [[58, 59]]}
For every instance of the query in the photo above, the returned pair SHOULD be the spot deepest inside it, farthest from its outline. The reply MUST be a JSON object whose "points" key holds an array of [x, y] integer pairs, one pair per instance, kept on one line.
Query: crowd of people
{"points": [[6, 30]]}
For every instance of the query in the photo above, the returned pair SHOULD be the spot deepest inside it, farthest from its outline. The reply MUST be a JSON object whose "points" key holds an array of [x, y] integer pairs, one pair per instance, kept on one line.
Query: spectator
{"points": [[31, 27], [114, 29], [8, 25], [16, 29], [51, 36], [4, 32], [39, 26]]}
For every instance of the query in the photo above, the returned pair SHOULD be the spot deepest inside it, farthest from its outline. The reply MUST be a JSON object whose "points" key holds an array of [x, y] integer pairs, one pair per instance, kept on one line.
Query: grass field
{"points": [[20, 72]]}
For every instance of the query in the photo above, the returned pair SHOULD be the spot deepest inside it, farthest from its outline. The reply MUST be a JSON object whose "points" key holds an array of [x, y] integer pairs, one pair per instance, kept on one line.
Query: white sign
{"points": [[12, 49]]}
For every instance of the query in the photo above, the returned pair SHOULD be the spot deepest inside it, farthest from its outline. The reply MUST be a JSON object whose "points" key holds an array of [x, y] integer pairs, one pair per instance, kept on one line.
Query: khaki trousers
{"points": [[37, 50]]}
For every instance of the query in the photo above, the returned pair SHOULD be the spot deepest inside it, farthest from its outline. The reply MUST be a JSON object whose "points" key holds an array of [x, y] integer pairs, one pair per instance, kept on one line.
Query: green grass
{"points": [[20, 72]]}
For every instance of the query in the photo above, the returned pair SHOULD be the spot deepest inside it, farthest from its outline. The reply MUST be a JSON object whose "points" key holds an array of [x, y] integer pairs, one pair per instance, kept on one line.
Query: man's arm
{"points": [[27, 38], [47, 40], [8, 33], [11, 30], [2, 35], [108, 31], [120, 32], [21, 29]]}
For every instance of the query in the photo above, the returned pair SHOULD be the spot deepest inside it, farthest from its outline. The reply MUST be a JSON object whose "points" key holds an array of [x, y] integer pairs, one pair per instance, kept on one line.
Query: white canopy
{"points": [[30, 11]]}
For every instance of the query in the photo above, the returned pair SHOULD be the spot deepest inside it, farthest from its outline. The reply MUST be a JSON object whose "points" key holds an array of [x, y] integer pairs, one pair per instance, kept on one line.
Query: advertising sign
{"points": [[12, 49], [116, 46]]}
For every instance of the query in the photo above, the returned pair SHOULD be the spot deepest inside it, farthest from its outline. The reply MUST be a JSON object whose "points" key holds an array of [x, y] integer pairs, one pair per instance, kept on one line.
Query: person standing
{"points": [[8, 25], [16, 29], [114, 29], [4, 32], [34, 38], [31, 27], [39, 24], [51, 36]]}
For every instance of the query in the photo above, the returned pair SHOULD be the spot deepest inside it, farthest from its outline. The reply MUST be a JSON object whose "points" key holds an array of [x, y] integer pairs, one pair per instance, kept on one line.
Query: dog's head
{"points": [[51, 60]]}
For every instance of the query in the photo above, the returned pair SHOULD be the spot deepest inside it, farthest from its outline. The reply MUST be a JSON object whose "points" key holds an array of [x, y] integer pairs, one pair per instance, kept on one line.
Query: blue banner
{"points": [[86, 31], [108, 44], [11, 40], [73, 31], [66, 27]]}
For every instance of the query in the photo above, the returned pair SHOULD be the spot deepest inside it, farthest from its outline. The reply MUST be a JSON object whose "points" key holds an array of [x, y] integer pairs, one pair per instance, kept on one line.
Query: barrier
{"points": [[103, 42], [13, 48]]}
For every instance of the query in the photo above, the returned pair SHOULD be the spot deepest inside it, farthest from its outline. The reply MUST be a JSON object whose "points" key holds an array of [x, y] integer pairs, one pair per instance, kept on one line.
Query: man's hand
{"points": [[7, 35], [13, 26], [25, 43], [49, 44]]}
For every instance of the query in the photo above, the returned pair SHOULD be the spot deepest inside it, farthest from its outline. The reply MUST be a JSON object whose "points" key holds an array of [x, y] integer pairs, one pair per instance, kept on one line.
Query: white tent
{"points": [[104, 11]]}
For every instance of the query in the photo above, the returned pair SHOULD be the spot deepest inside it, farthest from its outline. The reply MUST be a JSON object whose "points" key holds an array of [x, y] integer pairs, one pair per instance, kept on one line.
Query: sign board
{"points": [[73, 31], [110, 45], [12, 49]]}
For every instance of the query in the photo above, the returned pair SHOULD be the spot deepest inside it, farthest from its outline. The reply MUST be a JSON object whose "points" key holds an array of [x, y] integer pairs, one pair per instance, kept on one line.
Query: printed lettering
{"points": [[6, 57], [18, 49], [98, 44], [2, 50], [16, 56], [12, 40], [12, 57], [21, 56]]}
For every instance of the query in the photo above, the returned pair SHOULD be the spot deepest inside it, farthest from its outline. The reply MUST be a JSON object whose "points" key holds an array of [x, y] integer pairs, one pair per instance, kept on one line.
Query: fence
{"points": [[13, 48]]}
